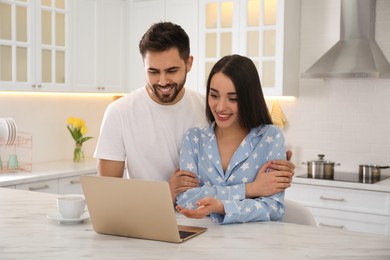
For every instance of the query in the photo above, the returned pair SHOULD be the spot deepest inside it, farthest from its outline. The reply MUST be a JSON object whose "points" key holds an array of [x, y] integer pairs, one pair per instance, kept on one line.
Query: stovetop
{"points": [[347, 177]]}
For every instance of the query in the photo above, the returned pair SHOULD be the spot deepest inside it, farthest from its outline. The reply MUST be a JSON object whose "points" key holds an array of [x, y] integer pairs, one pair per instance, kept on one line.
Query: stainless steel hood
{"points": [[356, 55]]}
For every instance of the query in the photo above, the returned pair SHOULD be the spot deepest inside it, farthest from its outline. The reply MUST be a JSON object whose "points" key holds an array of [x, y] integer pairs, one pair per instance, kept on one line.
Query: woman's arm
{"points": [[232, 197], [260, 209]]}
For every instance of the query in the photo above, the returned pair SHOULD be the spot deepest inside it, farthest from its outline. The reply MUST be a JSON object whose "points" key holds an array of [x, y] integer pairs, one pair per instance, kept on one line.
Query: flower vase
{"points": [[78, 154]]}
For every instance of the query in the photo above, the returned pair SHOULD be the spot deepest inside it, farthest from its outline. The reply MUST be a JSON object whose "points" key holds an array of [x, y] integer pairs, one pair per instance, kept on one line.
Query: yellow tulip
{"points": [[83, 130], [78, 129], [70, 120], [77, 123]]}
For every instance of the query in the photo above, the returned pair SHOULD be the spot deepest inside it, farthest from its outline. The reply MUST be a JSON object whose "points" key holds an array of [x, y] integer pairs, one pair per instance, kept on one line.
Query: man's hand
{"points": [[181, 181], [268, 183], [277, 179], [206, 206], [283, 165]]}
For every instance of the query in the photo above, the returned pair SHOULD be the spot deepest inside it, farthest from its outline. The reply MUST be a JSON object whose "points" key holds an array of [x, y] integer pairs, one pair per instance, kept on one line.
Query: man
{"points": [[143, 131]]}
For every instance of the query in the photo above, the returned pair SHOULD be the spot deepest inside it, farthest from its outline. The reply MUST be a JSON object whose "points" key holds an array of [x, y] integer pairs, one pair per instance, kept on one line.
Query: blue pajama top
{"points": [[199, 154]]}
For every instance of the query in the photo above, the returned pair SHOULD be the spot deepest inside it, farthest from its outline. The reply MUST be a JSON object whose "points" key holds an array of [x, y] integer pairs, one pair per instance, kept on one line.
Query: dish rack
{"points": [[22, 148]]}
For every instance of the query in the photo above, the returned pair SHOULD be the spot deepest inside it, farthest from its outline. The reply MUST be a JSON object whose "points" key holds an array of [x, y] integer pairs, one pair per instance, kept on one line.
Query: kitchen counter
{"points": [[383, 186], [49, 170], [26, 232], [67, 168]]}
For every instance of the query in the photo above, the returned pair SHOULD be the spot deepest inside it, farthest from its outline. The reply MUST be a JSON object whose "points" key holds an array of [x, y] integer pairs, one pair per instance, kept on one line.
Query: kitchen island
{"points": [[26, 232]]}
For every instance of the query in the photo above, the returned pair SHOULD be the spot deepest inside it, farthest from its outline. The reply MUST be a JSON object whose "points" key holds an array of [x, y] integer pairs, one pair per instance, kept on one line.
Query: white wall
{"points": [[348, 120], [44, 116]]}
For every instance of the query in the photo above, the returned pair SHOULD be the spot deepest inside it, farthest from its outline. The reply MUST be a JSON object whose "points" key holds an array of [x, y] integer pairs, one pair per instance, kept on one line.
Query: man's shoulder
{"points": [[195, 94], [197, 99], [130, 97]]}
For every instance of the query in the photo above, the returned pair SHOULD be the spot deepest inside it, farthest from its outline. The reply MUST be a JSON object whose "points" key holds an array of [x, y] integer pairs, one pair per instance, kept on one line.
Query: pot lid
{"points": [[373, 166], [321, 160]]}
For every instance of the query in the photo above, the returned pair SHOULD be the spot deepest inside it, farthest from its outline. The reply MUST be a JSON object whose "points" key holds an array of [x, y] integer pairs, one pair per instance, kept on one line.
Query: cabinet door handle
{"points": [[74, 182], [39, 187], [329, 198], [329, 225]]}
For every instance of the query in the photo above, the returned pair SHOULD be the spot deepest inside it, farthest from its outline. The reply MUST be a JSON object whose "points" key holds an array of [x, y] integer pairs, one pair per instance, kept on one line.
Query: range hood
{"points": [[356, 55]]}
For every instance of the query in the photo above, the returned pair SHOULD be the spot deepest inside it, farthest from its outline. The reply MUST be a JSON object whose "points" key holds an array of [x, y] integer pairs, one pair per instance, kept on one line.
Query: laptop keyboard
{"points": [[184, 234]]}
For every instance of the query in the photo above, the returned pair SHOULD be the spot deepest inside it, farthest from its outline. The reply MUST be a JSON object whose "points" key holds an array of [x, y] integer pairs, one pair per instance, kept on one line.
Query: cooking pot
{"points": [[320, 169], [370, 173]]}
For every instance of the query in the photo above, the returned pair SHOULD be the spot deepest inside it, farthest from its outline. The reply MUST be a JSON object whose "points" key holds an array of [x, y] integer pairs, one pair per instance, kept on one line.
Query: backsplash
{"points": [[44, 116], [348, 120]]}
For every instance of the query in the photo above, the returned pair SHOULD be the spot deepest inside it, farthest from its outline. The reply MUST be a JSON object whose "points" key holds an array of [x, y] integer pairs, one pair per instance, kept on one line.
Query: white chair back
{"points": [[297, 213]]}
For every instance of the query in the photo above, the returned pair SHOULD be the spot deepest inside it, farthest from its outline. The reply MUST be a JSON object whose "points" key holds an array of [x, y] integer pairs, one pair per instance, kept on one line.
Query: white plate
{"points": [[12, 130], [3, 131], [56, 216], [9, 132]]}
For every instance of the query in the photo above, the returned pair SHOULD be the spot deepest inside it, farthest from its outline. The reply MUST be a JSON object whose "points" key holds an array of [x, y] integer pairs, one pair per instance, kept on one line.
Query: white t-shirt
{"points": [[148, 135]]}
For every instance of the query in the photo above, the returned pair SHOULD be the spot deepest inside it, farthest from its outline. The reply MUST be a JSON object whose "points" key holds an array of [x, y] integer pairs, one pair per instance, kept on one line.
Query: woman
{"points": [[227, 155]]}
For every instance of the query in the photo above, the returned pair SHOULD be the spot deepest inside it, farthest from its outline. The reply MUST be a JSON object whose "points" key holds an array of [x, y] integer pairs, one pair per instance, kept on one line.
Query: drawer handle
{"points": [[39, 187], [329, 198], [332, 226], [74, 182]]}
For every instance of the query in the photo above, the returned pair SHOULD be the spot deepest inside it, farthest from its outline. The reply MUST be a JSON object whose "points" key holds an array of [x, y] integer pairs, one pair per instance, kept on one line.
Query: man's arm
{"points": [[268, 183], [181, 181], [110, 168], [277, 179]]}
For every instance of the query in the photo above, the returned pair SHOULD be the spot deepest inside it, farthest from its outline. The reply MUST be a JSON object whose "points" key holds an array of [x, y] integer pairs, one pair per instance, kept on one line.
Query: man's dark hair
{"points": [[163, 36]]}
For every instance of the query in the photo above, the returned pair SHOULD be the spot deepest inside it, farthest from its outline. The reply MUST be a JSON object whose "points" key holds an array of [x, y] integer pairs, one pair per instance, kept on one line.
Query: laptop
{"points": [[134, 208]]}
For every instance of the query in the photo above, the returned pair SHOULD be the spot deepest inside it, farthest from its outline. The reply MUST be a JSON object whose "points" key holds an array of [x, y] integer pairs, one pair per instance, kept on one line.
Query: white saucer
{"points": [[56, 216]]}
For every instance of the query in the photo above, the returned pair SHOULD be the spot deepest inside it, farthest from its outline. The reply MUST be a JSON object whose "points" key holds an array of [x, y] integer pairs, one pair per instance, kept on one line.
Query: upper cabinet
{"points": [[34, 45], [100, 46], [267, 31], [92, 45], [143, 13]]}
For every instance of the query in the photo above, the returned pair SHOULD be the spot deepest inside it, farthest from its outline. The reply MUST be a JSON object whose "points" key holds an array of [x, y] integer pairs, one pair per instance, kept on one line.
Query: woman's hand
{"points": [[206, 206]]}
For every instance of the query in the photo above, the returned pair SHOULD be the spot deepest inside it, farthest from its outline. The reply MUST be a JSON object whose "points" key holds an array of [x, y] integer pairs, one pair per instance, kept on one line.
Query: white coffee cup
{"points": [[71, 206]]}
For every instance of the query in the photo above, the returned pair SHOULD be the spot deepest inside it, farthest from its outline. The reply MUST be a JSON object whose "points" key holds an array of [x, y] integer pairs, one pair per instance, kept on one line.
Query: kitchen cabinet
{"points": [[351, 209], [143, 13], [70, 185], [67, 185], [34, 45], [58, 177], [100, 46], [267, 31], [47, 186]]}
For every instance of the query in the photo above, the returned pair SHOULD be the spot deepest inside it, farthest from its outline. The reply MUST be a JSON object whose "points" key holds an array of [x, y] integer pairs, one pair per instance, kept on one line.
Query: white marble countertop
{"points": [[383, 186], [49, 170], [67, 168], [27, 233]]}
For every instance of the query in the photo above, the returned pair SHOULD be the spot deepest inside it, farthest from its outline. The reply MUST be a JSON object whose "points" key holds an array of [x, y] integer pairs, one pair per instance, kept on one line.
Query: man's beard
{"points": [[171, 94]]}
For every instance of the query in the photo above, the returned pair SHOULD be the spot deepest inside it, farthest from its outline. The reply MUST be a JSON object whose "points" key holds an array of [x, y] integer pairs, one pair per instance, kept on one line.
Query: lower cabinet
{"points": [[354, 221], [47, 186], [351, 209], [67, 185], [70, 185]]}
